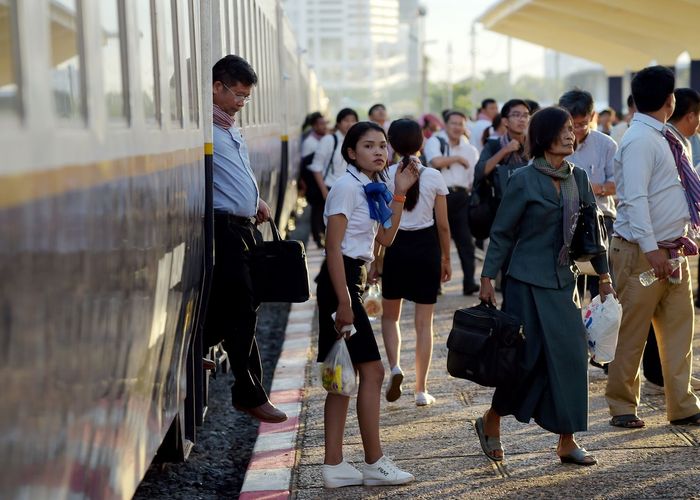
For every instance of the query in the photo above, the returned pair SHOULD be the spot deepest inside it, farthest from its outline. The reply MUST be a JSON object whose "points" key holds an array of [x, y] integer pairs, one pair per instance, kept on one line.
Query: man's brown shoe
{"points": [[266, 412]]}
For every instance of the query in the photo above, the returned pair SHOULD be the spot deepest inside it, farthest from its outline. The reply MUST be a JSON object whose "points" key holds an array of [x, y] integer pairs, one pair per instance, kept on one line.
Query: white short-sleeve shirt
{"points": [[310, 144], [323, 156], [348, 198], [456, 175], [431, 184]]}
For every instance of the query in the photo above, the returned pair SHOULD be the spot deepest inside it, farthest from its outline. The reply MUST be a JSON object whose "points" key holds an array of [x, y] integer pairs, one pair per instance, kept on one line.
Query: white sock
{"points": [[396, 370]]}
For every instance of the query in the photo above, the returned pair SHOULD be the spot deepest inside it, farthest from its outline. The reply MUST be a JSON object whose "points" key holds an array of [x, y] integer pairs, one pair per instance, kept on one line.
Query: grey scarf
{"points": [[569, 192]]}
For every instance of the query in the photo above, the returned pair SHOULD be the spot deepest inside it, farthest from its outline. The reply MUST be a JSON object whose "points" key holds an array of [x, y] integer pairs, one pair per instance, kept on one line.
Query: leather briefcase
{"points": [[484, 345], [278, 270]]}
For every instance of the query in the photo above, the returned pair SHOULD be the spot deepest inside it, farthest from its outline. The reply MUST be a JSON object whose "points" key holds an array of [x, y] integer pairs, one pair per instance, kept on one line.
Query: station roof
{"points": [[620, 35]]}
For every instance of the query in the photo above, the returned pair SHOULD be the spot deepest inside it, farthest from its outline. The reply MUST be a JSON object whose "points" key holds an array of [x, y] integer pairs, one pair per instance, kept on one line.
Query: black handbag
{"points": [[590, 237], [278, 270], [482, 209], [484, 345]]}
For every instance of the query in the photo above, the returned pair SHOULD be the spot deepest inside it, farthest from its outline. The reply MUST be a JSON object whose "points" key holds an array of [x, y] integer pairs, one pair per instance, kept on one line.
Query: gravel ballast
{"points": [[217, 464]]}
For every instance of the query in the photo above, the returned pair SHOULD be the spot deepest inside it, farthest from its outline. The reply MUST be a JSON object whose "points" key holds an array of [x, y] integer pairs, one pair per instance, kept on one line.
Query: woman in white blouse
{"points": [[416, 264], [357, 212]]}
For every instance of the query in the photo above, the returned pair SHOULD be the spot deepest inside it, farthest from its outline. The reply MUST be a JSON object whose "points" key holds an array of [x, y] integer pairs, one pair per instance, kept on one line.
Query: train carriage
{"points": [[106, 138]]}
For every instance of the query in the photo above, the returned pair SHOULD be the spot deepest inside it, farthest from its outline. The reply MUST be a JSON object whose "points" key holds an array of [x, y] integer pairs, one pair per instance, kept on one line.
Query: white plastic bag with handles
{"points": [[337, 371], [602, 321]]}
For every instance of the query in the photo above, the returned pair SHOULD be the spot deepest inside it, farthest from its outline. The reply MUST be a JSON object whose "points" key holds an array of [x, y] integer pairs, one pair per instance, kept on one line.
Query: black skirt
{"points": [[362, 345], [412, 267]]}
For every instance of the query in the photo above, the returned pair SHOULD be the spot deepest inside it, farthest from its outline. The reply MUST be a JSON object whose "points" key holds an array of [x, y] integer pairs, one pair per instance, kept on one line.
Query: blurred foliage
{"points": [[468, 94]]}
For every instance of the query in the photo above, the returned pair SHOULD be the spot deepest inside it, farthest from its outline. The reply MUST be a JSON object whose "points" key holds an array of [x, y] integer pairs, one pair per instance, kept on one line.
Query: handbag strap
{"points": [[275, 232]]}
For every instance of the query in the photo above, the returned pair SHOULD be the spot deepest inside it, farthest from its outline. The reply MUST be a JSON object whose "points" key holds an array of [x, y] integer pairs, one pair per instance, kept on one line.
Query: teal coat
{"points": [[529, 223]]}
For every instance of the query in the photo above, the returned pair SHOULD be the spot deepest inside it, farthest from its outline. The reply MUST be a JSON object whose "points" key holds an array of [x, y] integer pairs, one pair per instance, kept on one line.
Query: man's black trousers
{"points": [[232, 309]]}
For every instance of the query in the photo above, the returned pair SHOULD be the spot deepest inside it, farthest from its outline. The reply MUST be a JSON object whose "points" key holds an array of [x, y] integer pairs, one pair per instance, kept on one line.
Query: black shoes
{"points": [[470, 289], [691, 420]]}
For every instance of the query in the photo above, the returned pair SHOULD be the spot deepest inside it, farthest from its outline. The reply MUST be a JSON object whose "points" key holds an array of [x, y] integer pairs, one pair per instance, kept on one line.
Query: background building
{"points": [[363, 51]]}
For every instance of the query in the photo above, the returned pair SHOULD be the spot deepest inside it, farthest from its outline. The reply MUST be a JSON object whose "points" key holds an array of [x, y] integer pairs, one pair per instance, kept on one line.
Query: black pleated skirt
{"points": [[412, 267], [362, 345]]}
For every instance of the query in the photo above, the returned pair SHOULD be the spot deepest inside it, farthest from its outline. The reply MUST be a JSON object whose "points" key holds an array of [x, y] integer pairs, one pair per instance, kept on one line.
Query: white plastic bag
{"points": [[372, 301], [337, 372], [602, 321]]}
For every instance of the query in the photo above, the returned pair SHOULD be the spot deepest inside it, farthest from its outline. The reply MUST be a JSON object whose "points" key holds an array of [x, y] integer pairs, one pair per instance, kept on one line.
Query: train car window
{"points": [[224, 23], [258, 61], [9, 71], [190, 56], [113, 58], [271, 73], [66, 46], [249, 30], [171, 66], [147, 64], [233, 24], [242, 22]]}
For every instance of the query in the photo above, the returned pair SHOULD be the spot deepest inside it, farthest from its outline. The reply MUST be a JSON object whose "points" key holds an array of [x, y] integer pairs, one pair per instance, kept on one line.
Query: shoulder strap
{"points": [[330, 162], [444, 146]]}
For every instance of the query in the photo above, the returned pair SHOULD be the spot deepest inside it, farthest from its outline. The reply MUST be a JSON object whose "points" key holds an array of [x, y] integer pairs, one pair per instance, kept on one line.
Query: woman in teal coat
{"points": [[553, 385]]}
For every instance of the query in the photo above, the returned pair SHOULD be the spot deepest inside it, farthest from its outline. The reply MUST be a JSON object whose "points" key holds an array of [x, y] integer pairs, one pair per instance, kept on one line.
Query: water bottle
{"points": [[648, 277]]}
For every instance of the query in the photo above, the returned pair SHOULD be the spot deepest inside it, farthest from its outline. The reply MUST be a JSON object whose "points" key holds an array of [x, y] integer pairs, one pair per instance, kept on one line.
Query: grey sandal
{"points": [[579, 457], [488, 444]]}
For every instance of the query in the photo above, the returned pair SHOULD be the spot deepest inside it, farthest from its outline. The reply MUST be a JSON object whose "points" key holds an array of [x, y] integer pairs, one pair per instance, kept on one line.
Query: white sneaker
{"points": [[393, 390], [343, 474], [384, 472], [424, 399]]}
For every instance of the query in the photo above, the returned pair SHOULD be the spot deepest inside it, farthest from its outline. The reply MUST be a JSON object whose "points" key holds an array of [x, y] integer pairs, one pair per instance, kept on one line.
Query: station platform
{"points": [[438, 443]]}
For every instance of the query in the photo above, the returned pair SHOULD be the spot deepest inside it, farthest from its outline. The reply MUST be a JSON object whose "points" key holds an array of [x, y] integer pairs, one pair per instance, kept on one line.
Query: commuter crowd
{"points": [[388, 197]]}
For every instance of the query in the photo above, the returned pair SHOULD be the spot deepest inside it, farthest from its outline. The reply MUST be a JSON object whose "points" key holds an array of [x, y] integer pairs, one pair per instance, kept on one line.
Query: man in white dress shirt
{"points": [[653, 216], [487, 112], [456, 159], [328, 165]]}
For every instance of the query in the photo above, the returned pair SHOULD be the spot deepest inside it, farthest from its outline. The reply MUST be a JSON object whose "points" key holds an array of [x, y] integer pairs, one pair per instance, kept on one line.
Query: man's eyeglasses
{"points": [[245, 99], [518, 116]]}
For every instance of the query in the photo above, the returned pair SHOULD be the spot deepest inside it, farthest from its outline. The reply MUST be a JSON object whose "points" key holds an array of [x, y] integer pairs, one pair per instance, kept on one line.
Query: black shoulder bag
{"points": [[278, 270], [590, 236]]}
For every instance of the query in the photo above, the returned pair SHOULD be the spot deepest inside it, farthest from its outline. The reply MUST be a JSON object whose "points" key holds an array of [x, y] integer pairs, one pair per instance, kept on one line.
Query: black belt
{"points": [[457, 189], [236, 219]]}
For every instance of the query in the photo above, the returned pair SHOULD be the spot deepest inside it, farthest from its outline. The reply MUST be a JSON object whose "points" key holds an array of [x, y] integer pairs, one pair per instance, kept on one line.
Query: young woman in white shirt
{"points": [[352, 212], [423, 246]]}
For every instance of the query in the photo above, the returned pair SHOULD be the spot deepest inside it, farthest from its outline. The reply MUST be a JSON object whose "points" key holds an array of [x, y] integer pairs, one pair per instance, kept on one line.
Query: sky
{"points": [[451, 20]]}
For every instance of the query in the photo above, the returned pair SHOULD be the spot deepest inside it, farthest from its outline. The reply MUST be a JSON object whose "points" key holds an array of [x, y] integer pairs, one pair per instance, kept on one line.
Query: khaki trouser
{"points": [[670, 308]]}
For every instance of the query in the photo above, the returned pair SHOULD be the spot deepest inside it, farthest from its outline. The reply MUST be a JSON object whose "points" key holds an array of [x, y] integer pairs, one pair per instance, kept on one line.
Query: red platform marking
{"points": [[265, 495], [273, 459], [286, 396], [291, 424]]}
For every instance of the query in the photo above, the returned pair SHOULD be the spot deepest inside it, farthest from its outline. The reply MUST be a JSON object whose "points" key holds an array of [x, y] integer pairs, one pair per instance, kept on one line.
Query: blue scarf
{"points": [[378, 198]]}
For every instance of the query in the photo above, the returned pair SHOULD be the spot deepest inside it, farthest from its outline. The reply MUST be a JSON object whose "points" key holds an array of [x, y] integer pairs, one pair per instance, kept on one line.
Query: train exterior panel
{"points": [[105, 117]]}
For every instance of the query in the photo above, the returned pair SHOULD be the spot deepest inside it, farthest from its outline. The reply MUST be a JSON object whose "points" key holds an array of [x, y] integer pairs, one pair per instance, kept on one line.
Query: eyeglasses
{"points": [[518, 116], [245, 99]]}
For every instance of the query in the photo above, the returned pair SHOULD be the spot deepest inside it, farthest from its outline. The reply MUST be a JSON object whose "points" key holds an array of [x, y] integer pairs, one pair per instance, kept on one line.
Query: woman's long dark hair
{"points": [[310, 120], [406, 138], [356, 132]]}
